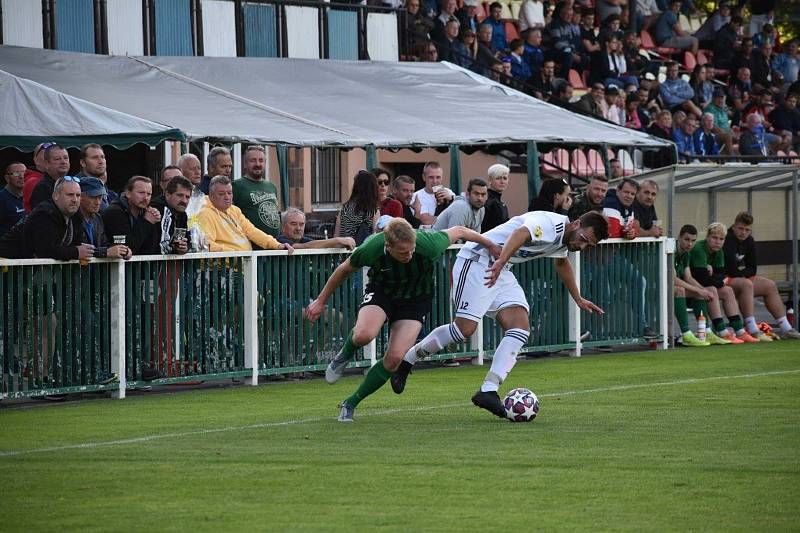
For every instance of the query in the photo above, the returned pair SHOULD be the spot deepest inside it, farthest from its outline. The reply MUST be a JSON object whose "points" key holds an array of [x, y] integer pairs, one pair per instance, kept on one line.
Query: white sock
{"points": [[435, 341], [784, 324], [750, 323], [740, 331], [505, 357]]}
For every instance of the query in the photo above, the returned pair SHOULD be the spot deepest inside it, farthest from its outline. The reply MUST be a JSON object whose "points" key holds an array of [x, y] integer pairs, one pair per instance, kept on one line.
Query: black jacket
{"points": [[170, 219], [495, 211], [581, 206], [99, 237], [43, 190], [740, 256], [45, 233], [140, 235]]}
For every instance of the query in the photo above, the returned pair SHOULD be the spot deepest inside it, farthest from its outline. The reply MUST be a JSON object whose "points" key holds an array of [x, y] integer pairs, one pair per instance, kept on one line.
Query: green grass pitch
{"points": [[691, 439]]}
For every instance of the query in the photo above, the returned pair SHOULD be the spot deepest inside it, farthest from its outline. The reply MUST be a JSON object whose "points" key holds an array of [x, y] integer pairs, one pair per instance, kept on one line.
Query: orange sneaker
{"points": [[746, 337], [729, 336]]}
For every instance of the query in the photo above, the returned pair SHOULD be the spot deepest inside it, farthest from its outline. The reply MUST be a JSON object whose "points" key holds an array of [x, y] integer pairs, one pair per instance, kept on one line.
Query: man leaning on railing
{"points": [[293, 232], [225, 228], [49, 232]]}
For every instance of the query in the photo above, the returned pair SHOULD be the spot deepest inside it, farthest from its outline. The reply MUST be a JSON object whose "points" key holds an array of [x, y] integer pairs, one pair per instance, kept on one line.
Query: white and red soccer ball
{"points": [[521, 405]]}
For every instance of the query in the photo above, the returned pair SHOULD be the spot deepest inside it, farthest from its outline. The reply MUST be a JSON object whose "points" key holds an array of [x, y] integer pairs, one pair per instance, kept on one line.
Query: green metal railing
{"points": [[66, 326]]}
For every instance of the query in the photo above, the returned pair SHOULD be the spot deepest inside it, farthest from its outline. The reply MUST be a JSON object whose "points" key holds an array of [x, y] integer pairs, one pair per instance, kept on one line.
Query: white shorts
{"points": [[473, 299]]}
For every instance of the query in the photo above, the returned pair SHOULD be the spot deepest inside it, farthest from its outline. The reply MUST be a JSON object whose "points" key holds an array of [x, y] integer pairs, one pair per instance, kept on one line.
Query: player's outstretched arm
{"points": [[567, 275], [315, 308], [515, 241], [461, 233]]}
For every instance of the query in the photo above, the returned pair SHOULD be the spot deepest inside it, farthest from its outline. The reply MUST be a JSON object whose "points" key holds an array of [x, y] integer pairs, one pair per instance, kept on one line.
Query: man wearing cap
{"points": [[467, 17], [722, 117], [90, 225], [48, 232], [11, 210], [56, 166]]}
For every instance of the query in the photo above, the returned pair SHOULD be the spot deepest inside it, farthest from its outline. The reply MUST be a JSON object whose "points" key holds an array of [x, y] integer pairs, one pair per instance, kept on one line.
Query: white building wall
{"points": [[382, 37], [22, 23], [302, 29], [219, 28], [125, 29]]}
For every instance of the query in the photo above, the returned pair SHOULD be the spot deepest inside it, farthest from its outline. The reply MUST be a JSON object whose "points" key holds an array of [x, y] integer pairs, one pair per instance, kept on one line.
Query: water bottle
{"points": [[701, 327]]}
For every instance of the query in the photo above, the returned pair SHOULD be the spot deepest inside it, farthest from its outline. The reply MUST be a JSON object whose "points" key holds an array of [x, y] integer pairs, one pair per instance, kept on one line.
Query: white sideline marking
{"points": [[148, 438]]}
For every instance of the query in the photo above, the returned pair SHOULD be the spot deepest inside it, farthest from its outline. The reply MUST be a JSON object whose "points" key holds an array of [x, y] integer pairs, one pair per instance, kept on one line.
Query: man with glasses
{"points": [[11, 210], [484, 286], [256, 195], [48, 232], [56, 166]]}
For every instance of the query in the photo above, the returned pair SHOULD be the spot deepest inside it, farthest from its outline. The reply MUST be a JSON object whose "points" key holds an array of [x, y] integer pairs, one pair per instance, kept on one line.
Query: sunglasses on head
{"points": [[75, 179]]}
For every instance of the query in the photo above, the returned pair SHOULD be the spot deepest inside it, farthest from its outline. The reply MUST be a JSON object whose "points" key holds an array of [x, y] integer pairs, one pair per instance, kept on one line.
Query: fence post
{"points": [[666, 246], [371, 348], [250, 288], [117, 298], [574, 314]]}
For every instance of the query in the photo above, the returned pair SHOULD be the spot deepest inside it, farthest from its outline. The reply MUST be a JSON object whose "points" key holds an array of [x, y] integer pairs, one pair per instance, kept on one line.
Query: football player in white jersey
{"points": [[484, 286]]}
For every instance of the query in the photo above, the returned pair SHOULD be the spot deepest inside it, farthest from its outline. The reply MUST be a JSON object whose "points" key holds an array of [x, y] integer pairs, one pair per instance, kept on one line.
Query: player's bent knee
{"points": [[466, 327], [392, 360], [362, 337]]}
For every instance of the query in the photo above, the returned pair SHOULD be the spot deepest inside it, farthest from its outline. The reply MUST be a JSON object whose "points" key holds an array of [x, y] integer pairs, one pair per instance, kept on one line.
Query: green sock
{"points": [[700, 305], [349, 349], [681, 313], [719, 325], [374, 380], [736, 323]]}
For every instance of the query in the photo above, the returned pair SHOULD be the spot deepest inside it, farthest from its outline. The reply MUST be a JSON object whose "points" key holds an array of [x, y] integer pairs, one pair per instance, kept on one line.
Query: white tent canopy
{"points": [[33, 113], [313, 102]]}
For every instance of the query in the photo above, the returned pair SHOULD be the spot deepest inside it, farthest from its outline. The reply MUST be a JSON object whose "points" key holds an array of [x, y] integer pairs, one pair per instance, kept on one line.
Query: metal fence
{"points": [[68, 326]]}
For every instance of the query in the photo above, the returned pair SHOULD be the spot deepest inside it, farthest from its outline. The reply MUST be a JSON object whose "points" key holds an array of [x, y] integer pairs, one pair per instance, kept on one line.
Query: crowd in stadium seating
{"points": [[709, 71]]}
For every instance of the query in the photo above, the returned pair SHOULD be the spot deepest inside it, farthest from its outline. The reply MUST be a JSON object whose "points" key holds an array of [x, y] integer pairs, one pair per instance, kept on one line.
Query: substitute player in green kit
{"points": [[400, 289]]}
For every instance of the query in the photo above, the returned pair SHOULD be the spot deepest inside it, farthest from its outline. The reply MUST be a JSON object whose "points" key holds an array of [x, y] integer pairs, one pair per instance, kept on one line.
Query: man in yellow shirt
{"points": [[225, 227]]}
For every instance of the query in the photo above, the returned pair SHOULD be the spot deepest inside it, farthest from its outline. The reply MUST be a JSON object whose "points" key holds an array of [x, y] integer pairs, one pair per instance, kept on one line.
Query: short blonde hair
{"points": [[497, 170], [397, 230], [716, 228]]}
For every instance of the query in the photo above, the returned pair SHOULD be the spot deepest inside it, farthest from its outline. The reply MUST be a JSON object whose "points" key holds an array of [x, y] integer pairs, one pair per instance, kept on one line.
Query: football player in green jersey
{"points": [[400, 288]]}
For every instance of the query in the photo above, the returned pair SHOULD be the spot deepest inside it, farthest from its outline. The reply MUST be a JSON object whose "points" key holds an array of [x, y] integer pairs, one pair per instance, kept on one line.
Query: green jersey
{"points": [[700, 257], [258, 201], [402, 280], [681, 263]]}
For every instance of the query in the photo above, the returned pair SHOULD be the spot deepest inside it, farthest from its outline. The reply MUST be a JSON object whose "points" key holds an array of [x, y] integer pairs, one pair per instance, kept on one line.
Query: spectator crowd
{"points": [[729, 87]]}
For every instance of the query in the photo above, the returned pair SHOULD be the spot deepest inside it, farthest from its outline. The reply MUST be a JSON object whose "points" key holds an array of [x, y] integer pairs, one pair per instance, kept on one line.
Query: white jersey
{"points": [[547, 238]]}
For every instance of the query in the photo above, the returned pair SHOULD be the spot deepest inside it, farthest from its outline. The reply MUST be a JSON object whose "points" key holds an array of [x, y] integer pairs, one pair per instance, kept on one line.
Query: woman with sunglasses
{"points": [[389, 206]]}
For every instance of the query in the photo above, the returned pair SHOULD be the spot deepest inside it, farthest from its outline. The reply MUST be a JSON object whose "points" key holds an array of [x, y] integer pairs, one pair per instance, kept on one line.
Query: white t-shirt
{"points": [[547, 236], [427, 201]]}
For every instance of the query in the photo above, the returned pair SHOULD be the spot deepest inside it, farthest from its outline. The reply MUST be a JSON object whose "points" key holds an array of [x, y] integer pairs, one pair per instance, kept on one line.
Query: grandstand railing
{"points": [[67, 326]]}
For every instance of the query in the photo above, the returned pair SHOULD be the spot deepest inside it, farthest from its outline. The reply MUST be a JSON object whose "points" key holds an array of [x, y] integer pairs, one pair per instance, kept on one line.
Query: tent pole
{"points": [[794, 234], [534, 179], [283, 169], [372, 156], [455, 169]]}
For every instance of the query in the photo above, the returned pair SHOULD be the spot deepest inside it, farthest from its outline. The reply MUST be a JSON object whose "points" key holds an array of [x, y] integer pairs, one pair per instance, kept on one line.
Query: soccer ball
{"points": [[521, 405]]}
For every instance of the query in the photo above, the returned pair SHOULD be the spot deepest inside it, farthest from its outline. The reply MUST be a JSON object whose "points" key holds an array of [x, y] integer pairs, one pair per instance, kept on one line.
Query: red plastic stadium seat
{"points": [[511, 31], [556, 162], [575, 80], [647, 40], [689, 61], [580, 165], [702, 57], [596, 162]]}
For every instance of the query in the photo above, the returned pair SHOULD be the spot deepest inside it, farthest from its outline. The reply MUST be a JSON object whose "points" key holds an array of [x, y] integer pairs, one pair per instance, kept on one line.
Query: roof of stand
{"points": [[312, 102]]}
